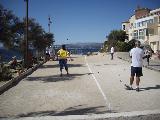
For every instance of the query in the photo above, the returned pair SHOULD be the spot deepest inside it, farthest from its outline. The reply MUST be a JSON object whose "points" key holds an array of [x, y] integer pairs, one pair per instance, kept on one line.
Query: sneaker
{"points": [[137, 89], [67, 74], [128, 87]]}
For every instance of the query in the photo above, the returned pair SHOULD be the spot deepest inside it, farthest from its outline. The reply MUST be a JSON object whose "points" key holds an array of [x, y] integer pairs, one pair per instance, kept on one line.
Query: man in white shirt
{"points": [[137, 55], [112, 52]]}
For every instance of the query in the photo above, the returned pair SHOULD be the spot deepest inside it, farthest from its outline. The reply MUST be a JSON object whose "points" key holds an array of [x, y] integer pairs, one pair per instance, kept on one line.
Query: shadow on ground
{"points": [[57, 65], [151, 88], [76, 110], [110, 64], [148, 88], [155, 65], [55, 78]]}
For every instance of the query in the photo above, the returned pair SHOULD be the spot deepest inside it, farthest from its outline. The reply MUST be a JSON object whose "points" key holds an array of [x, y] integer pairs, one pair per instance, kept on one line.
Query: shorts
{"points": [[63, 63], [137, 71]]}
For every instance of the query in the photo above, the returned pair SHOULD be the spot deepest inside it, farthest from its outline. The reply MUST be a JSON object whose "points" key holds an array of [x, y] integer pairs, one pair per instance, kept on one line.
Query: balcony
{"points": [[154, 38], [153, 25]]}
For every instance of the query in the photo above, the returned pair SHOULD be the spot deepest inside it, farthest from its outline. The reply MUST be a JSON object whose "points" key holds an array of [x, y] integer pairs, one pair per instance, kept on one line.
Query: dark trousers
{"points": [[148, 57], [111, 56]]}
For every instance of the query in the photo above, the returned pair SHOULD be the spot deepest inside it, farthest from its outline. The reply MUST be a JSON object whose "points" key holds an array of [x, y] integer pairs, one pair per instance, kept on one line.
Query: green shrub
{"points": [[122, 46], [5, 73]]}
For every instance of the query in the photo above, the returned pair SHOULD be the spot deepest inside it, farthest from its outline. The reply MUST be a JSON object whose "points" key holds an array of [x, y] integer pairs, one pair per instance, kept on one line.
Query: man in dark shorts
{"points": [[63, 54], [137, 55]]}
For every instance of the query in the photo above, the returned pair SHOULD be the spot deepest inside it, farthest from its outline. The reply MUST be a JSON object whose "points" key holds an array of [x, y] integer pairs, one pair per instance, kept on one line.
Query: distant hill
{"points": [[81, 48], [83, 45]]}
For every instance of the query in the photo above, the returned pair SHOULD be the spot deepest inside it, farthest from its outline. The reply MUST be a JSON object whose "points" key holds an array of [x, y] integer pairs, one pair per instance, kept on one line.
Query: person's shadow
{"points": [[151, 88]]}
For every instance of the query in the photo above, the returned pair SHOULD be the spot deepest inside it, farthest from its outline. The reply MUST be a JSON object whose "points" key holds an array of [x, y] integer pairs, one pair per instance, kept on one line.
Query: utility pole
{"points": [[26, 37]]}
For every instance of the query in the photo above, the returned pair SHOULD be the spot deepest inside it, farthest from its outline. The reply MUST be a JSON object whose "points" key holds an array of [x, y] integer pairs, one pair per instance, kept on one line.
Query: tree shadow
{"points": [[49, 66], [56, 78], [110, 64], [98, 65], [75, 65], [57, 65], [151, 88], [154, 65], [76, 110], [74, 56]]}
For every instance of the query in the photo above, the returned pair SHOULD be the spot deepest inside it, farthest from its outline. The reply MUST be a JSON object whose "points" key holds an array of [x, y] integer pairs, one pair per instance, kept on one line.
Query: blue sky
{"points": [[79, 20]]}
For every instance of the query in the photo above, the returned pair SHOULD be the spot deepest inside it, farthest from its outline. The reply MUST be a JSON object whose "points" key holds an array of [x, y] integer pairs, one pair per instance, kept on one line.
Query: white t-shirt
{"points": [[137, 57], [112, 49]]}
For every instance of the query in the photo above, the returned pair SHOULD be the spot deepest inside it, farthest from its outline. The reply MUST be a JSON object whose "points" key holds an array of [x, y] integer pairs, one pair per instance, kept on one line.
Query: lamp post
{"points": [[26, 37], [50, 48], [3, 18], [49, 23]]}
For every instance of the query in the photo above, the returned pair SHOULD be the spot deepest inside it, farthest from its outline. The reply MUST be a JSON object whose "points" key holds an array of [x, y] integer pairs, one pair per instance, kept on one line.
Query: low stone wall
{"points": [[123, 55], [155, 65], [135, 115], [14, 81]]}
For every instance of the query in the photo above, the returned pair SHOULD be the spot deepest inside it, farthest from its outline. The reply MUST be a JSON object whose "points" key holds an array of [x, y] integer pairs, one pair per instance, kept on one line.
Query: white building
{"points": [[144, 26]]}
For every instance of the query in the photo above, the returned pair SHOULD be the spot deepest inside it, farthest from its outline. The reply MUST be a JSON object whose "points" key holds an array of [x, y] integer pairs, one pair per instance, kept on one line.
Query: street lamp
{"points": [[26, 37], [49, 23], [51, 48]]}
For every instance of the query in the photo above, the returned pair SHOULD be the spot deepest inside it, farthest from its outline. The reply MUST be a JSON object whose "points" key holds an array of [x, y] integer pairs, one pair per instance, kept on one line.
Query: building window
{"points": [[151, 31], [155, 19], [131, 25], [135, 35], [146, 32], [134, 25], [141, 34], [143, 23], [150, 21], [124, 27], [138, 24]]}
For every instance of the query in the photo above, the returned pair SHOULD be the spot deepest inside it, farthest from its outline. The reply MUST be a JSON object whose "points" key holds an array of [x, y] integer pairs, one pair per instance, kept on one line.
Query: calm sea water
{"points": [[8, 54], [82, 51]]}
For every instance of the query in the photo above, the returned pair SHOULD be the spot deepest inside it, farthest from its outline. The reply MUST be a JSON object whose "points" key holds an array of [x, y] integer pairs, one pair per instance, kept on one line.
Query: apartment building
{"points": [[144, 26]]}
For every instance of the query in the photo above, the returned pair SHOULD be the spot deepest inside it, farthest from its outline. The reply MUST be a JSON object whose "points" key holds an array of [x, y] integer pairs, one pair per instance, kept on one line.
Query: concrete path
{"points": [[113, 74], [95, 86]]}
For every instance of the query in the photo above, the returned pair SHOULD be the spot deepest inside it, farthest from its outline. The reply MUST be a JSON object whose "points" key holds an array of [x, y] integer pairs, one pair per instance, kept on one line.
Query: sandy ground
{"points": [[95, 85]]}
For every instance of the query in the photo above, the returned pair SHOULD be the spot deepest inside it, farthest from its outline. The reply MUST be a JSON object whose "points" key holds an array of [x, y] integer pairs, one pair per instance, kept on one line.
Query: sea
{"points": [[7, 54]]}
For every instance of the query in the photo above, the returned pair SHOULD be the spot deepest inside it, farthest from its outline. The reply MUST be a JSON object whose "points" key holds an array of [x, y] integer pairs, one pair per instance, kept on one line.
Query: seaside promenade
{"points": [[94, 90]]}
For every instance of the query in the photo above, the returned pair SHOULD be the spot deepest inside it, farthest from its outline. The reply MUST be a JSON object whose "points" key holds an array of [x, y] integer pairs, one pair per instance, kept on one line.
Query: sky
{"points": [[79, 21]]}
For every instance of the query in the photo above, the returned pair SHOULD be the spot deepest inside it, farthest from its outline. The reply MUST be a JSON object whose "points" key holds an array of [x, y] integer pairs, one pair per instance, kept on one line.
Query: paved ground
{"points": [[96, 85]]}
